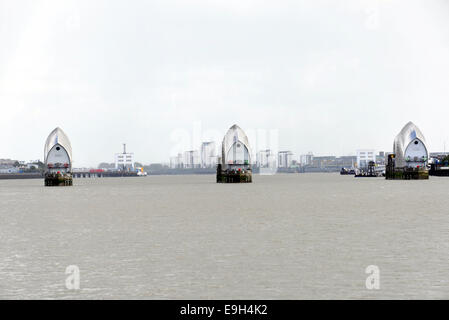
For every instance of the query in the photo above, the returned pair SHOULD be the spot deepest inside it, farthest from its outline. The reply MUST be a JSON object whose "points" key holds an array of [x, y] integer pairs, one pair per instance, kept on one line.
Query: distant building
{"points": [[265, 159], [324, 161], [7, 162], [364, 156], [346, 161], [173, 163], [438, 155], [306, 159], [191, 159], [380, 158], [32, 164], [208, 155], [311, 163], [177, 162], [124, 161], [6, 169], [106, 166], [266, 162], [285, 159]]}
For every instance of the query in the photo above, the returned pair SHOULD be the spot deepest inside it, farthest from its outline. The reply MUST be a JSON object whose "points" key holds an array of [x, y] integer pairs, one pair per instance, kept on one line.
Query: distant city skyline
{"points": [[331, 77]]}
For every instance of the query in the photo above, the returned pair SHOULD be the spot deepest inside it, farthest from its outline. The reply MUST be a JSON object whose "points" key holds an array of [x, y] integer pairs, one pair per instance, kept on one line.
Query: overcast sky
{"points": [[330, 76]]}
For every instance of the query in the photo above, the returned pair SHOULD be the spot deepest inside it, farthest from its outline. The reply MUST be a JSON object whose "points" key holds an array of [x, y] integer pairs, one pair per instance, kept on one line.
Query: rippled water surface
{"points": [[283, 236]]}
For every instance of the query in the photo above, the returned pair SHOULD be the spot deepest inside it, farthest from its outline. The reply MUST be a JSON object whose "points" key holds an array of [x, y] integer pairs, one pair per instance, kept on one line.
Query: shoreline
{"points": [[22, 176]]}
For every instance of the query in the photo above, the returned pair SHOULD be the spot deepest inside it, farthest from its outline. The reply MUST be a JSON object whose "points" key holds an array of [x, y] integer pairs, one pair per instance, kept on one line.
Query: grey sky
{"points": [[331, 76]]}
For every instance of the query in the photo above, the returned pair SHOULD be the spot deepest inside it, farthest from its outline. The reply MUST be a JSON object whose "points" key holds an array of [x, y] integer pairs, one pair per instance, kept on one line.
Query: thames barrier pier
{"points": [[58, 159], [234, 166], [409, 160]]}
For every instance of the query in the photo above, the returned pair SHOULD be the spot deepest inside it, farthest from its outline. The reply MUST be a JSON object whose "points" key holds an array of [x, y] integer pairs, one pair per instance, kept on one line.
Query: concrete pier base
{"points": [[234, 176], [407, 174], [58, 180]]}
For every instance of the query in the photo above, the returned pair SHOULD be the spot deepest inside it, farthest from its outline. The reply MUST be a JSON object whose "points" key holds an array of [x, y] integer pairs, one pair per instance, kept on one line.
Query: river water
{"points": [[291, 236]]}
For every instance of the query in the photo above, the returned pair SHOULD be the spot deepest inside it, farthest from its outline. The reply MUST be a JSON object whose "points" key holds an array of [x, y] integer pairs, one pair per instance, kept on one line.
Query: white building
{"points": [[285, 159], [58, 152], [410, 148], [266, 159], [176, 162], [32, 164], [173, 163], [306, 159], [191, 159], [124, 161], [364, 156], [208, 155], [7, 162]]}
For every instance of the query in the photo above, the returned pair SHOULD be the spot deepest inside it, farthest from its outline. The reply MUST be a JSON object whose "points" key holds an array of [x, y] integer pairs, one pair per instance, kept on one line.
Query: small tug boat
{"points": [[58, 159], [345, 171], [235, 163]]}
